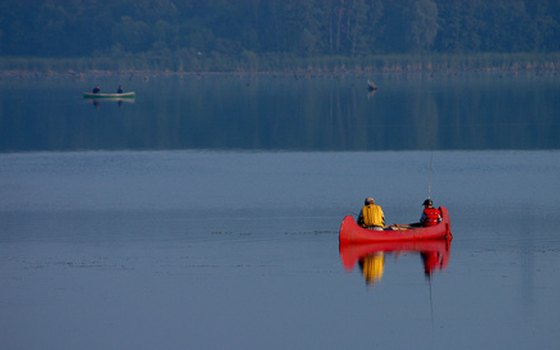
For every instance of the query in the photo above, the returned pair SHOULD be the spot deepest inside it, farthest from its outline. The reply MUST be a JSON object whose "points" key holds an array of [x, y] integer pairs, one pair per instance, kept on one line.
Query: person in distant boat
{"points": [[371, 216], [430, 215], [96, 89], [119, 90]]}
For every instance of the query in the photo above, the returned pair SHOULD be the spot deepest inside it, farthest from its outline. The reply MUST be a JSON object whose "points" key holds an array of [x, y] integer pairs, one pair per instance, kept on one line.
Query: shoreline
{"points": [[295, 74], [518, 64]]}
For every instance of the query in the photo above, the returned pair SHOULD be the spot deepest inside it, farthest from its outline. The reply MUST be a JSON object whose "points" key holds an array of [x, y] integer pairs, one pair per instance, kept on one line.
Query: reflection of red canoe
{"points": [[350, 254], [351, 232]]}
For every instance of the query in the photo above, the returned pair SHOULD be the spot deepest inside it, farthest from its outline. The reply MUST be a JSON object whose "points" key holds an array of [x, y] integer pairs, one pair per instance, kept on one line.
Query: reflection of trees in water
{"points": [[309, 114], [425, 120], [342, 116], [410, 121]]}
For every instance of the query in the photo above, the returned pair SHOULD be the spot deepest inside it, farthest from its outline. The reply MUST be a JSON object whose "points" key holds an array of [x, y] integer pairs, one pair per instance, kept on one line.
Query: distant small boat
{"points": [[115, 95], [371, 85]]}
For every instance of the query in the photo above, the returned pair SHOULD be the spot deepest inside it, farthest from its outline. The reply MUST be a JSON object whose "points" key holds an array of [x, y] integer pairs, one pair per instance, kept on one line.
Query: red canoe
{"points": [[351, 232]]}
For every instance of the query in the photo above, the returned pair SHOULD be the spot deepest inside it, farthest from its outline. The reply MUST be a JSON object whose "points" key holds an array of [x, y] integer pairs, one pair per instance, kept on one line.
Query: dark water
{"points": [[205, 215], [284, 114]]}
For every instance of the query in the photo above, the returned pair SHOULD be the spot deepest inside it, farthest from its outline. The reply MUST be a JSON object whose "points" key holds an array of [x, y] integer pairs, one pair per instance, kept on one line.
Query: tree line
{"points": [[246, 29]]}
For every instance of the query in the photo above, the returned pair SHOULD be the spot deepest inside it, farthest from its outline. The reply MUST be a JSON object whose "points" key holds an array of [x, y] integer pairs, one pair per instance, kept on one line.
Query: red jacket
{"points": [[430, 217]]}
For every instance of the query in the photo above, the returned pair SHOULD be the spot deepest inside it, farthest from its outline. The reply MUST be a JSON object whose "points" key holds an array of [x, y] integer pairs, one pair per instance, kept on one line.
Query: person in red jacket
{"points": [[430, 215]]}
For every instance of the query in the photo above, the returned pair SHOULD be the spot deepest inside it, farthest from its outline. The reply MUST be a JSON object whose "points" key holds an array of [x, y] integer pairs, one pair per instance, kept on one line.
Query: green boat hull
{"points": [[131, 94]]}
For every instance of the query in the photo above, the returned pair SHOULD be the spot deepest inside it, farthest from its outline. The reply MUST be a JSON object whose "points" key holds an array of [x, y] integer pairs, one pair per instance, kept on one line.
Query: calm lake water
{"points": [[205, 214]]}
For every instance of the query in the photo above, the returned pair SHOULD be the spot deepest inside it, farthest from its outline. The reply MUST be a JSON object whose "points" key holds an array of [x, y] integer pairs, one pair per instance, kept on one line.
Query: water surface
{"points": [[208, 217], [225, 113]]}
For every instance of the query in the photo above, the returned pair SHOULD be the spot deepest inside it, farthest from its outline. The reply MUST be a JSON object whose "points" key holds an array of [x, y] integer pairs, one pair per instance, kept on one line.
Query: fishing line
{"points": [[431, 302], [430, 173]]}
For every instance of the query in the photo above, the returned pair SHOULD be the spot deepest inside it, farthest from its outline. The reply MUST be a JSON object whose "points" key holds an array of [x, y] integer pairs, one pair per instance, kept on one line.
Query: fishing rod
{"points": [[430, 173]]}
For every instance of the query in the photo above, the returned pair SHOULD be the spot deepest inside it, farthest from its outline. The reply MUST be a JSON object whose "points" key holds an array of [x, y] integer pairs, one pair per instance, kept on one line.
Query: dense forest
{"points": [[185, 32]]}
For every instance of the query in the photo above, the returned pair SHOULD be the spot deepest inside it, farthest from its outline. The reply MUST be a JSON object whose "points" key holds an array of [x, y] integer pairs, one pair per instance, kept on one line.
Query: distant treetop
{"points": [[300, 28]]}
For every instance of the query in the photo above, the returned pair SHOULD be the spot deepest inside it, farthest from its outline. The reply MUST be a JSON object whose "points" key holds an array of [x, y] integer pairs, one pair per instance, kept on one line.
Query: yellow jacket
{"points": [[372, 215]]}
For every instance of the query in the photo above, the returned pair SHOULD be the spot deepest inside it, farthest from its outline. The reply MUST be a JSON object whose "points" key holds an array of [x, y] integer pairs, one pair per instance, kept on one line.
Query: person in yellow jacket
{"points": [[371, 216]]}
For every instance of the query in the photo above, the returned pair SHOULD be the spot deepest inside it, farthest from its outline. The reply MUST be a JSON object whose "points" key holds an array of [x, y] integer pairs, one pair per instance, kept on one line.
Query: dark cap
{"points": [[428, 202]]}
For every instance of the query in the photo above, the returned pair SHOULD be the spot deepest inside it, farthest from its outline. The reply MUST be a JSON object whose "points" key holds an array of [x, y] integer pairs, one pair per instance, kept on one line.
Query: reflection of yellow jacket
{"points": [[372, 215], [373, 267]]}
